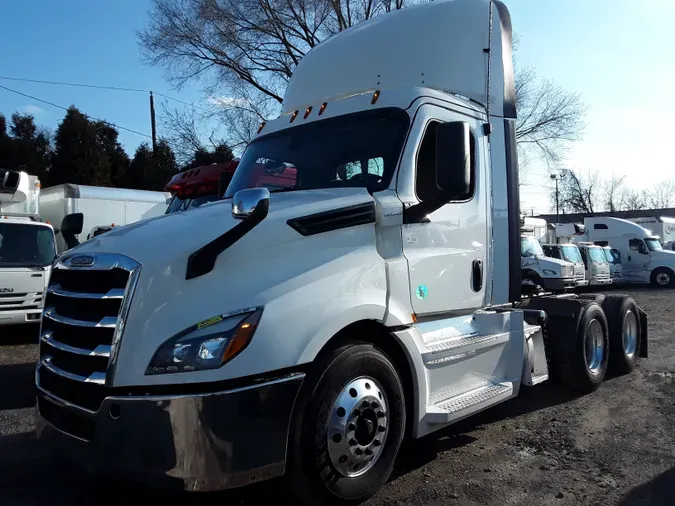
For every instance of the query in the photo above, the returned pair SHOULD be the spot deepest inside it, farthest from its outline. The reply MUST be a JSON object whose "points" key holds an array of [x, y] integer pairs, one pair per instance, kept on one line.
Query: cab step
{"points": [[449, 350], [460, 406]]}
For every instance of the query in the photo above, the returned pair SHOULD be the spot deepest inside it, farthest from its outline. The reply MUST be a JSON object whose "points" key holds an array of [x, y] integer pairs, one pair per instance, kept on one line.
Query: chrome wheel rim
{"points": [[595, 346], [663, 278], [630, 333], [358, 427]]}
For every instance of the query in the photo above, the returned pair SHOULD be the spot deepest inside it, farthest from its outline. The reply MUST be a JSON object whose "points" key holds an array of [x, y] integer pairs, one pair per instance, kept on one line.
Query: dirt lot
{"points": [[613, 447]]}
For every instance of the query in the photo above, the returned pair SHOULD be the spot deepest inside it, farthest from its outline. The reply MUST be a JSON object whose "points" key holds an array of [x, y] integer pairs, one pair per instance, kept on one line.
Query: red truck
{"points": [[194, 187]]}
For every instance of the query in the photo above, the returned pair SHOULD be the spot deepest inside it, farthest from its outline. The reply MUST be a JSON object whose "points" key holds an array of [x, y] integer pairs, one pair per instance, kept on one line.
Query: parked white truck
{"points": [[27, 249], [643, 259], [376, 297]]}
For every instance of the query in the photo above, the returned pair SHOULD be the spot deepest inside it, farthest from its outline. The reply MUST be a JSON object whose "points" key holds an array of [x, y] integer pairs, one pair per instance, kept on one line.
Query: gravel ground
{"points": [[613, 447]]}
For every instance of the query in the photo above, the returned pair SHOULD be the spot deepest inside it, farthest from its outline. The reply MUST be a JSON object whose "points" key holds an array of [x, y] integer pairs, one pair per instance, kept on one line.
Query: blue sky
{"points": [[619, 54]]}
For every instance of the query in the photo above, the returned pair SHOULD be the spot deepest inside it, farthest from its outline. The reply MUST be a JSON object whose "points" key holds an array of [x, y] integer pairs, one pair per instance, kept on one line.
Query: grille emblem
{"points": [[6, 290], [82, 261]]}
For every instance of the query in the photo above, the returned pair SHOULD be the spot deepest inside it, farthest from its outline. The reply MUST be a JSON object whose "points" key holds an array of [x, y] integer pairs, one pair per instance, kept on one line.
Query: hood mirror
{"points": [[250, 202]]}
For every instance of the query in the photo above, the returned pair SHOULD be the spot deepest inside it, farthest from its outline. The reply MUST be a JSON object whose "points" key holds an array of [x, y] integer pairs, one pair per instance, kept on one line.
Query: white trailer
{"points": [[662, 227], [308, 331], [101, 207]]}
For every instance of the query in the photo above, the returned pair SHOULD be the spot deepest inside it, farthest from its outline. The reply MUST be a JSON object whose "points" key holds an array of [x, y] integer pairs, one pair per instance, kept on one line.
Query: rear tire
{"points": [[348, 428], [585, 370], [624, 332]]}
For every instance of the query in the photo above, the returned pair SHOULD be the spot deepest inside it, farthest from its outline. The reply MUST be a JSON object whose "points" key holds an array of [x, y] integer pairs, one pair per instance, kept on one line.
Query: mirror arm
{"points": [[418, 213], [204, 259]]}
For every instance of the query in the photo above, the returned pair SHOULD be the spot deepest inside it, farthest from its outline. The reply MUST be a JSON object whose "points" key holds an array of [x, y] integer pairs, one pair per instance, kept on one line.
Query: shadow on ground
{"points": [[19, 334], [658, 492], [18, 382]]}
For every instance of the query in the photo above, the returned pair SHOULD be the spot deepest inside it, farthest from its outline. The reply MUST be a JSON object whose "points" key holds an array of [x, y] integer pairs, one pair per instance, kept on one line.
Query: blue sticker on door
{"points": [[422, 292]]}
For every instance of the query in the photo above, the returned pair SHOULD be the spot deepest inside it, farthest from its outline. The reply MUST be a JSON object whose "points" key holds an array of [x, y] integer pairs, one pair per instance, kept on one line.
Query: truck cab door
{"points": [[446, 249], [636, 266]]}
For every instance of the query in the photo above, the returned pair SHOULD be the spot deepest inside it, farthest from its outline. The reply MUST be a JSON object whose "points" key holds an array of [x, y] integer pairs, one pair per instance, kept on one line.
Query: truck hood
{"points": [[21, 280], [167, 238], [544, 262], [664, 257]]}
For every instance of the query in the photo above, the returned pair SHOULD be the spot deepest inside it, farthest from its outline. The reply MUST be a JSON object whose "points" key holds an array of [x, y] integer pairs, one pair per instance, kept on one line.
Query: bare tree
{"points": [[634, 200], [613, 189], [662, 195], [244, 52], [578, 193]]}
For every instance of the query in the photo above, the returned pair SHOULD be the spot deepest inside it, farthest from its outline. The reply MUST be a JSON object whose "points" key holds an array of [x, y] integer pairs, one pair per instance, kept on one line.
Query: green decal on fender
{"points": [[209, 322]]}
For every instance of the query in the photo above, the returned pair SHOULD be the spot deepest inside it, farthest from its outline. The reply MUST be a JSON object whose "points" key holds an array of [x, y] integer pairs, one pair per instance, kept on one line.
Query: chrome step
{"points": [[462, 405], [457, 348]]}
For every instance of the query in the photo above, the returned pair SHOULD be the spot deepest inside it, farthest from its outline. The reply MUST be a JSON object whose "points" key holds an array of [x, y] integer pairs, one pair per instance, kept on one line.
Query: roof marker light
{"points": [[262, 125], [308, 112], [323, 108], [376, 95], [293, 116]]}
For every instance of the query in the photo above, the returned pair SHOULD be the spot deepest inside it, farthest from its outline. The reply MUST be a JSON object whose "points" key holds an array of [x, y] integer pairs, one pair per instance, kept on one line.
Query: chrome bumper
{"points": [[19, 317], [197, 442]]}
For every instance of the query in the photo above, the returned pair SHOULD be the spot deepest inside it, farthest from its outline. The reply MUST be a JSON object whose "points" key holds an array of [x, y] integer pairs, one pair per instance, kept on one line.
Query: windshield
{"points": [[178, 204], [355, 150], [653, 244], [26, 245], [597, 255], [571, 254], [530, 247]]}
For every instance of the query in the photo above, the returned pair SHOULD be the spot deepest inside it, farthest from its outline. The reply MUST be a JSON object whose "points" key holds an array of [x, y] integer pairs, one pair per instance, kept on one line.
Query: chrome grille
{"points": [[85, 309], [17, 301]]}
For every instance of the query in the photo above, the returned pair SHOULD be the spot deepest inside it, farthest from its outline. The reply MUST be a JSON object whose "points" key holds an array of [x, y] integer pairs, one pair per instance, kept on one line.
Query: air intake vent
{"points": [[345, 217]]}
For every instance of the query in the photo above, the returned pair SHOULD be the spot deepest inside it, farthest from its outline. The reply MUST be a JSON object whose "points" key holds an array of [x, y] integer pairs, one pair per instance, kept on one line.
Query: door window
{"points": [[425, 184], [637, 245]]}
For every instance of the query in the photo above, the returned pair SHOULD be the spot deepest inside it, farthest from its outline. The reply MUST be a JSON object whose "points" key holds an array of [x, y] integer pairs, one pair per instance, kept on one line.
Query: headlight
{"points": [[550, 272], [208, 344]]}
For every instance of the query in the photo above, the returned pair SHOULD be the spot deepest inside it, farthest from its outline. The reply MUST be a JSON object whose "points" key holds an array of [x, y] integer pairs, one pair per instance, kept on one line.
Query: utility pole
{"points": [[152, 123], [557, 206]]}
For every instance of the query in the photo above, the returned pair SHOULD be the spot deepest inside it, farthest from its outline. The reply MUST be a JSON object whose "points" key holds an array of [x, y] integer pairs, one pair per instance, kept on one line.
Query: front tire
{"points": [[349, 425], [663, 278]]}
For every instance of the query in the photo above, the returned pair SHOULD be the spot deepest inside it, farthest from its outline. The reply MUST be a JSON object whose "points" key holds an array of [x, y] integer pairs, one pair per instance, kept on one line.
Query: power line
{"points": [[65, 109], [101, 87], [61, 83]]}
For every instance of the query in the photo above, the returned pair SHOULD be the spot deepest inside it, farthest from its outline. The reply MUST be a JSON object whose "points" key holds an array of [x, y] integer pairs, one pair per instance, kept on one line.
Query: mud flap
{"points": [[644, 341]]}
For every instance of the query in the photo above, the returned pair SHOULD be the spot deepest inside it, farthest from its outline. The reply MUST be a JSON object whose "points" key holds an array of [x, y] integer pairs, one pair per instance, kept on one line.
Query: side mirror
{"points": [[250, 202], [453, 159], [70, 227]]}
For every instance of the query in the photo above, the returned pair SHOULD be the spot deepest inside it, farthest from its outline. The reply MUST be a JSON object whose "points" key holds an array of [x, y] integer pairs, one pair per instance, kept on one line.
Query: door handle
{"points": [[477, 275]]}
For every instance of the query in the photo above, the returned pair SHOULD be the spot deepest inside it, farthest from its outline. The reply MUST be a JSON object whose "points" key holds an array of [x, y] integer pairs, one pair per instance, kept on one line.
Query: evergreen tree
{"points": [[79, 156]]}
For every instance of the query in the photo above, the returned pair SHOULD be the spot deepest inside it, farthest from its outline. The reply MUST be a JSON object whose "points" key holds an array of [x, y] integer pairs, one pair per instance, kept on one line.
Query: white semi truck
{"points": [[643, 258], [306, 333]]}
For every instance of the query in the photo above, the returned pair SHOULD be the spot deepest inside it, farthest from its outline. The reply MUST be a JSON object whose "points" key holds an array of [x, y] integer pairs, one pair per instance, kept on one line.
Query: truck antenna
{"points": [[487, 127]]}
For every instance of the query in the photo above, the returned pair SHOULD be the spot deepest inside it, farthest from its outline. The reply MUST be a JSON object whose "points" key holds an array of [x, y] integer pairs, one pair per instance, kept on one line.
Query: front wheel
{"points": [[663, 277], [348, 428]]}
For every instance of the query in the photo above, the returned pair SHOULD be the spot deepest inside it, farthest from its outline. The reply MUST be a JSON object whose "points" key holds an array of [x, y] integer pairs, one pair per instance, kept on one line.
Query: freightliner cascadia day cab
{"points": [[306, 333]]}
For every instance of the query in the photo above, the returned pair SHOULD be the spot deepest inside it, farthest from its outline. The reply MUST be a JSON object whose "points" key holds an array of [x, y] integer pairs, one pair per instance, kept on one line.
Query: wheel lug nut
{"points": [[358, 451], [374, 405], [365, 405], [377, 442], [381, 428], [380, 414], [352, 426], [369, 451], [353, 442], [356, 412]]}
